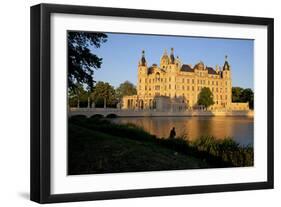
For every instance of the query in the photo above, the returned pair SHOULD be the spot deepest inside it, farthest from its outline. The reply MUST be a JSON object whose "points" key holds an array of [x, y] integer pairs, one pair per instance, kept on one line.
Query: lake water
{"points": [[241, 129]]}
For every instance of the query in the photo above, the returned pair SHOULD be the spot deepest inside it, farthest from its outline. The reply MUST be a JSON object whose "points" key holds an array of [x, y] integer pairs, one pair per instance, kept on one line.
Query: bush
{"points": [[227, 149]]}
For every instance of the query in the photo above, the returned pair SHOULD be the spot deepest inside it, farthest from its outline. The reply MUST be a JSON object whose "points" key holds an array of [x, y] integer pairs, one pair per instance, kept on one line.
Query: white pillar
{"points": [[104, 102], [78, 102]]}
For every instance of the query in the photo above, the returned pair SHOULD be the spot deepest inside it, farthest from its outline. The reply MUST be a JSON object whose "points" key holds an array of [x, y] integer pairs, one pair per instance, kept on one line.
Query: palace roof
{"points": [[154, 67], [186, 68], [211, 70]]}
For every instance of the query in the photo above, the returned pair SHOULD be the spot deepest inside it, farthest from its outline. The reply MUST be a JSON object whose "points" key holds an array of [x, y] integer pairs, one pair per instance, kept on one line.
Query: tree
{"points": [[126, 89], [236, 94], [104, 94], [205, 97], [247, 95], [76, 95], [81, 61], [243, 95]]}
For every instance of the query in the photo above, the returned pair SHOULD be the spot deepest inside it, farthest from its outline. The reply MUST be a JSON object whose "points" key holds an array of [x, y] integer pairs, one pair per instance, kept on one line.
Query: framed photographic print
{"points": [[133, 103]]}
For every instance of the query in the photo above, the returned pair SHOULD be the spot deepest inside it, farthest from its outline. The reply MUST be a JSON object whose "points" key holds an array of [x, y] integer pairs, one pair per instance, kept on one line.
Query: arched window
{"points": [[157, 76]]}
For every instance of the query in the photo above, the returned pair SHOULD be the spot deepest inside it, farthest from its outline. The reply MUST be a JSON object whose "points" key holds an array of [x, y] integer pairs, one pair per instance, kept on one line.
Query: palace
{"points": [[174, 86]]}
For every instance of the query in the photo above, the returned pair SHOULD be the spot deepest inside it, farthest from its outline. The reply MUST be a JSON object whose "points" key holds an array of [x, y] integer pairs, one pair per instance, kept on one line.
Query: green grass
{"points": [[98, 146]]}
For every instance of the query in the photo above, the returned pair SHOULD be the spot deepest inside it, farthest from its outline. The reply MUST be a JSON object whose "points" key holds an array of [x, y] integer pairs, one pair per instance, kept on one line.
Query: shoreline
{"points": [[88, 112]]}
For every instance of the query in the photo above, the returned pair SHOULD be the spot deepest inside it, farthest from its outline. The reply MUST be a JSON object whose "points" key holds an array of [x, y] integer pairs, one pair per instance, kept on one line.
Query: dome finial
{"points": [[225, 57]]}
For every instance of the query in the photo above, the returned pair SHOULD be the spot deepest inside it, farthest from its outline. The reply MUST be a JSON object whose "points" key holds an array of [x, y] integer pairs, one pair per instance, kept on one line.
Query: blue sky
{"points": [[122, 52]]}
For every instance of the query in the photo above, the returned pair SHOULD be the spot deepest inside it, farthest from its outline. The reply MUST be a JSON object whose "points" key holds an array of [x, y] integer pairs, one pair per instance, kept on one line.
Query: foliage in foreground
{"points": [[226, 149], [96, 152], [81, 60], [218, 153]]}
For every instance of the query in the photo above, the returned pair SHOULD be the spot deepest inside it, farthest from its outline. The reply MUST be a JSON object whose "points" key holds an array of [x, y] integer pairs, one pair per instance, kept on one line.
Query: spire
{"points": [[226, 65], [143, 60], [172, 57], [164, 62], [165, 52]]}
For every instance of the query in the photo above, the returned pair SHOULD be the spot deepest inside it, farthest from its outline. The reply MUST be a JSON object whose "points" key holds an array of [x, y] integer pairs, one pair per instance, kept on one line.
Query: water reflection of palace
{"points": [[174, 86], [241, 129]]}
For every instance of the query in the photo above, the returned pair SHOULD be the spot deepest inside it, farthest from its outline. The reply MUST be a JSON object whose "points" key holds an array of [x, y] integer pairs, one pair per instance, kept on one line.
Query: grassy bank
{"points": [[98, 146]]}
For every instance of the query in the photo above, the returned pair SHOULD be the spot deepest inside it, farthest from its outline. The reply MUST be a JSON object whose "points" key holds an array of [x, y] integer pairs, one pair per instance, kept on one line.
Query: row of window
{"points": [[157, 87], [158, 79], [186, 96], [199, 81], [204, 74]]}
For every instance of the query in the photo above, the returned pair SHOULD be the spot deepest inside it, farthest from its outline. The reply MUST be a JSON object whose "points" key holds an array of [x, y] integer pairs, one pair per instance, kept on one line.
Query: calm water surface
{"points": [[241, 129]]}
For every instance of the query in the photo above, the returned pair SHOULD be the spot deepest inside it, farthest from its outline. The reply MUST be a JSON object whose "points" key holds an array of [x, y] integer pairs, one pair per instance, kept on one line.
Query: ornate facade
{"points": [[175, 86]]}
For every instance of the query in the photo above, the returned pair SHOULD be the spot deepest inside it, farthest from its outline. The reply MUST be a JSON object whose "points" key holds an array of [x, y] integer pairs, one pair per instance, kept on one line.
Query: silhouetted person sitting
{"points": [[172, 133]]}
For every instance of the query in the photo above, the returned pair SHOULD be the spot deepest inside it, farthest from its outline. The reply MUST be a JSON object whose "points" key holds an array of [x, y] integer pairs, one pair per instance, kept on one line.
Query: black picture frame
{"points": [[40, 102]]}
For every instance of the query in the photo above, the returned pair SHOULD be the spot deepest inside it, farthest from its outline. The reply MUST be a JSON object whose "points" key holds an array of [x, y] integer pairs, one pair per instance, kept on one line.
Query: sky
{"points": [[122, 52]]}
